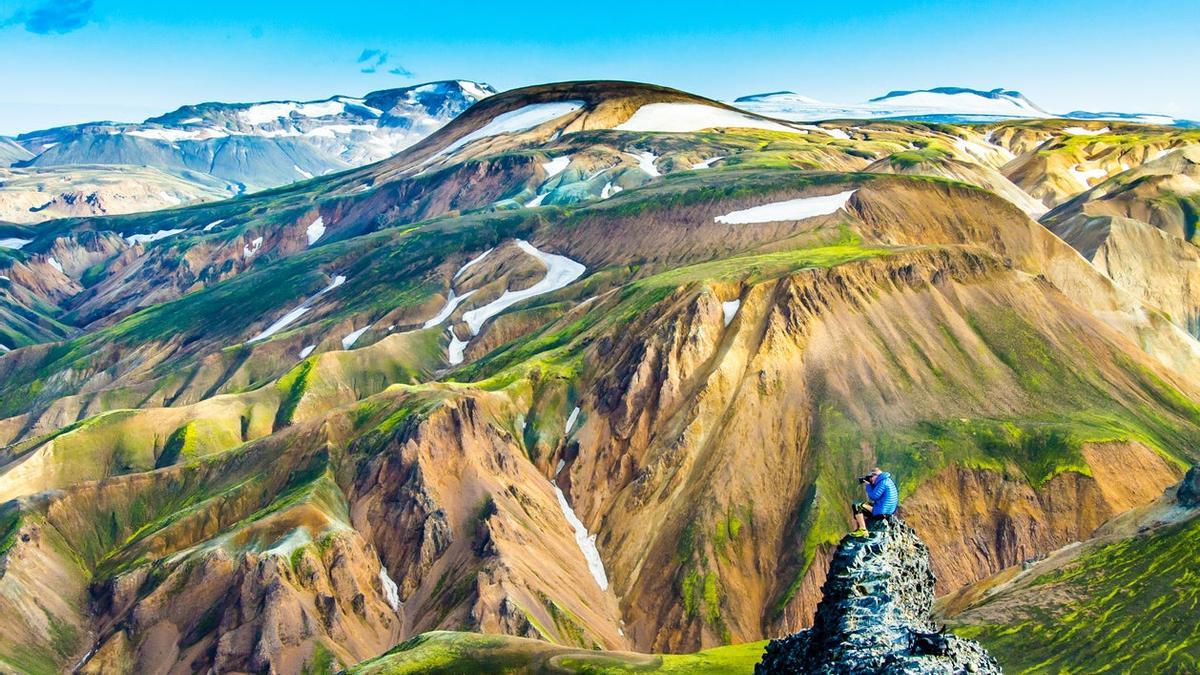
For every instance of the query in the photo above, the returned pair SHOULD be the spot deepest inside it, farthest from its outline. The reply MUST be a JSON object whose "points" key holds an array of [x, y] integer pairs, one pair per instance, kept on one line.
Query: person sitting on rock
{"points": [[882, 500]]}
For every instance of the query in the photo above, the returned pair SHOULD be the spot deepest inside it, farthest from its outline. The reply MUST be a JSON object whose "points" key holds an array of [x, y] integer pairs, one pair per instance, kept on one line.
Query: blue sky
{"points": [[77, 60]]}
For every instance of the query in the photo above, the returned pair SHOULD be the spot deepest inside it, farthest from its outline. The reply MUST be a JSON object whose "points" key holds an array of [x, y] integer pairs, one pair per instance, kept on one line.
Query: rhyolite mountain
{"points": [[1139, 228], [1081, 608], [594, 364], [224, 149]]}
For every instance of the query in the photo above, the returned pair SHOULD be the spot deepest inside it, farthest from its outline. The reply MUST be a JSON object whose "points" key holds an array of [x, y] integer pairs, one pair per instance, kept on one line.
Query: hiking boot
{"points": [[860, 533]]}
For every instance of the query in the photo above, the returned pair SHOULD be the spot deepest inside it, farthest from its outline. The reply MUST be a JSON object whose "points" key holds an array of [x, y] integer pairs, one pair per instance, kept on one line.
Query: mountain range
{"points": [[591, 370], [215, 150], [210, 151]]}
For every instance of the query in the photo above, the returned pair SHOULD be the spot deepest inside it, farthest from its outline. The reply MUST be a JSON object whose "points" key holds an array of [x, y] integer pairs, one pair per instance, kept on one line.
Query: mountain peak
{"points": [[998, 101], [942, 104], [997, 93], [779, 97]]}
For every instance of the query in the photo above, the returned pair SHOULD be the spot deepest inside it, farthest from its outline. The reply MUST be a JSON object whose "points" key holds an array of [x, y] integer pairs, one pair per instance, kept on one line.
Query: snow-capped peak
{"points": [[952, 103], [278, 142], [782, 97], [943, 104], [960, 100]]}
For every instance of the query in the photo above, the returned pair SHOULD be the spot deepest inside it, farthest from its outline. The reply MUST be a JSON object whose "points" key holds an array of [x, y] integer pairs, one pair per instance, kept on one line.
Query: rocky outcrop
{"points": [[875, 616], [1188, 493]]}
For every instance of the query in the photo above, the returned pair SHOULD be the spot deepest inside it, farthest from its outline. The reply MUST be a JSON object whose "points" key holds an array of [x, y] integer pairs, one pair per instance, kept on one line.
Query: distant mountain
{"points": [[253, 146], [960, 100], [11, 151], [1133, 118], [939, 104], [35, 194], [953, 104]]}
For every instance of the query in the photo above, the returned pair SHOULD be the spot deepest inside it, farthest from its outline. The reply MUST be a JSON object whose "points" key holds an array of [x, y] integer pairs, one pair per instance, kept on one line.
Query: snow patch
{"points": [[1083, 176], [456, 349], [586, 542], [645, 162], [452, 303], [560, 271], [315, 230], [297, 312], [213, 224], [559, 467], [14, 243], [536, 201], [513, 121], [706, 163], [556, 166], [390, 590], [55, 264], [302, 172], [332, 131], [285, 545], [1084, 131], [980, 151], [264, 113], [609, 190], [349, 340], [730, 309], [4, 349], [685, 117], [473, 89], [255, 245], [834, 133], [147, 238], [176, 135], [470, 263], [792, 209], [306, 351], [571, 420]]}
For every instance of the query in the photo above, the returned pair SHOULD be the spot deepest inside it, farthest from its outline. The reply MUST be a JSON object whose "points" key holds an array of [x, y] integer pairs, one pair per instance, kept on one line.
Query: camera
{"points": [[865, 479]]}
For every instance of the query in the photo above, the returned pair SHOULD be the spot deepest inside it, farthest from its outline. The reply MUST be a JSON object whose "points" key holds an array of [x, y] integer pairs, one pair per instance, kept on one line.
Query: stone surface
{"points": [[874, 616], [1189, 490]]}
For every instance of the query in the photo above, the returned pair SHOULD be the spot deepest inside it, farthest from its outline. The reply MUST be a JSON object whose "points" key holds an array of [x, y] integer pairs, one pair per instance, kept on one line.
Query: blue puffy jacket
{"points": [[883, 495]]}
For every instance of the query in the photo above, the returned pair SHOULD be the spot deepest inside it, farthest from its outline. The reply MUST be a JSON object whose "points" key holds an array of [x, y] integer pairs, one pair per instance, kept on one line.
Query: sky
{"points": [[69, 61]]}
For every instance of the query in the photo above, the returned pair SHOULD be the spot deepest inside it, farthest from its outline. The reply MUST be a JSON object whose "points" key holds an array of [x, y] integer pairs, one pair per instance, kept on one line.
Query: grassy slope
{"points": [[450, 652], [1131, 608]]}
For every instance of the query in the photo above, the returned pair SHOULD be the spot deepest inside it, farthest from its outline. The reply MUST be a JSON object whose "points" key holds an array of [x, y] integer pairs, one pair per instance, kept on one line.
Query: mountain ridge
{"points": [[245, 146]]}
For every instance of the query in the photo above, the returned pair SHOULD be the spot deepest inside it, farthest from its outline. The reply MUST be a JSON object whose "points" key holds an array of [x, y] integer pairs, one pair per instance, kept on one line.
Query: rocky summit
{"points": [[875, 615]]}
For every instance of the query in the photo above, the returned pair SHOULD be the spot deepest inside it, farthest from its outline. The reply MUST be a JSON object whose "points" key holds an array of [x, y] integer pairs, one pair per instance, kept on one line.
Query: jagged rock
{"points": [[1188, 493], [875, 615]]}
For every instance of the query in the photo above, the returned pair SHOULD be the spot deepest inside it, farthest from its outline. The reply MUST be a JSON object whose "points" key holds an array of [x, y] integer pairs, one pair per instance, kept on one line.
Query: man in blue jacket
{"points": [[882, 500]]}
